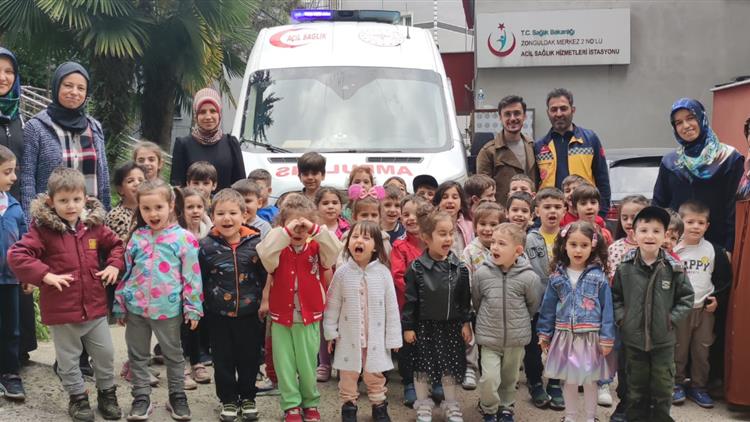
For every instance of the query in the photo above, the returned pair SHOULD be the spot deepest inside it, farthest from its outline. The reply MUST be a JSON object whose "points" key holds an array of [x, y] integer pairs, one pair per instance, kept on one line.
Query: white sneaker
{"points": [[604, 396], [424, 413], [470, 380], [190, 383], [452, 412]]}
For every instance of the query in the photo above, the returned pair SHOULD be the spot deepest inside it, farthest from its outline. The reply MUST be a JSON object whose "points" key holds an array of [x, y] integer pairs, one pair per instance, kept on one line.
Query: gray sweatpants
{"points": [[138, 337], [69, 340]]}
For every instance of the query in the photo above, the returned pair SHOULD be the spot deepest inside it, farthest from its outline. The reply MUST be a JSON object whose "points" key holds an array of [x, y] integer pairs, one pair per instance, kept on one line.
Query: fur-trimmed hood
{"points": [[93, 214]]}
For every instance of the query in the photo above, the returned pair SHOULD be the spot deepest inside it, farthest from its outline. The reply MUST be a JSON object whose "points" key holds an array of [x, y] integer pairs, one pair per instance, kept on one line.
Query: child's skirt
{"points": [[577, 358], [440, 350]]}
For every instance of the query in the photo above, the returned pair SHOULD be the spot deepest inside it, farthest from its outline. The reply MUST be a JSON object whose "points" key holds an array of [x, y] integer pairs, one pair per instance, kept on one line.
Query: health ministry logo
{"points": [[498, 41]]}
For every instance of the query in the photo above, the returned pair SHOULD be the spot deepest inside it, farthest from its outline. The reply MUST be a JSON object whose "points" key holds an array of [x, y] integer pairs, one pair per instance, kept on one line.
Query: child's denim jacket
{"points": [[585, 309]]}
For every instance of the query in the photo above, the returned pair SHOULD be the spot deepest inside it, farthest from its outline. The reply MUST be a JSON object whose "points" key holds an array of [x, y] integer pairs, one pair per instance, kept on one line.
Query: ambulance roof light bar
{"points": [[312, 15]]}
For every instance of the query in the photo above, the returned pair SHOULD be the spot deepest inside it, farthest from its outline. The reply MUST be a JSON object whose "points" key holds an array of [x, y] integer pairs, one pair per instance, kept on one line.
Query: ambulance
{"points": [[355, 86]]}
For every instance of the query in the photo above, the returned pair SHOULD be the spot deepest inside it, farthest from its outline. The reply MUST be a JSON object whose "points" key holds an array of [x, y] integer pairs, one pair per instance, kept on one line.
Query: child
{"points": [[365, 205], [252, 195], [522, 183], [479, 188], [312, 172], [650, 274], [570, 184], [487, 216], [361, 319], [425, 186], [450, 197], [436, 316], [506, 293], [263, 178], [202, 176], [629, 207], [158, 302], [404, 252], [674, 232], [295, 301], [61, 255], [585, 200], [233, 280], [126, 180], [710, 274], [519, 208], [360, 175], [149, 156], [191, 209], [576, 326], [390, 209], [329, 200], [398, 182], [14, 226], [540, 242]]}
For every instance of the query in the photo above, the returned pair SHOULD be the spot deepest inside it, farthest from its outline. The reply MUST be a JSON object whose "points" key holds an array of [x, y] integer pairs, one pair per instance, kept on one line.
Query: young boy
{"points": [[569, 184], [251, 193], [390, 211], [674, 232], [506, 293], [479, 188], [710, 274], [486, 217], [650, 290], [585, 201], [60, 254], [233, 281], [312, 172], [13, 222], [519, 208], [425, 186], [550, 207], [263, 178], [522, 183], [202, 176]]}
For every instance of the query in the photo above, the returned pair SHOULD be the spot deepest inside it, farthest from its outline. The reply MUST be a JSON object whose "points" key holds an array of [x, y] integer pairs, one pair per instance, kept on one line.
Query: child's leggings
{"points": [[570, 394], [295, 358]]}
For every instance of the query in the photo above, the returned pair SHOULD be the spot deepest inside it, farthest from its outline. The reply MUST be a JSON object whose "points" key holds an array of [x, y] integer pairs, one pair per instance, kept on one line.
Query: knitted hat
{"points": [[206, 95]]}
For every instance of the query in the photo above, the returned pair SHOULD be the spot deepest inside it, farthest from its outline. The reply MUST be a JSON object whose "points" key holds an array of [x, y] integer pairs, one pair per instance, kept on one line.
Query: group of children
{"points": [[454, 284]]}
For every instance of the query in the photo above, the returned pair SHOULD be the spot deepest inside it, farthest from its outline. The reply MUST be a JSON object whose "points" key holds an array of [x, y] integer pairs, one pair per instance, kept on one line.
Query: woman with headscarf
{"points": [[11, 127], [64, 135], [207, 142], [701, 168]]}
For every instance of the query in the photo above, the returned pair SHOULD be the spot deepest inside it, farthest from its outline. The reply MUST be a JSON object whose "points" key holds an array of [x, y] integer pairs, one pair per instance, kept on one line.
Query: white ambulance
{"points": [[354, 86]]}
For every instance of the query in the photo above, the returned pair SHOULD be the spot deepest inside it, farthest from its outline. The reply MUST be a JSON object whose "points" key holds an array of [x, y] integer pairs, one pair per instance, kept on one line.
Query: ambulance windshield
{"points": [[346, 109]]}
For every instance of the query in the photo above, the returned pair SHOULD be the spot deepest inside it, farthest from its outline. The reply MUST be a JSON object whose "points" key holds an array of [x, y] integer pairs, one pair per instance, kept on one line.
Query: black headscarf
{"points": [[72, 120]]}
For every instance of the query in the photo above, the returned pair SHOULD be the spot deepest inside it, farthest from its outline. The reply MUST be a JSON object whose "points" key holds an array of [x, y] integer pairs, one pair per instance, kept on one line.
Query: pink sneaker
{"points": [[311, 414], [293, 415]]}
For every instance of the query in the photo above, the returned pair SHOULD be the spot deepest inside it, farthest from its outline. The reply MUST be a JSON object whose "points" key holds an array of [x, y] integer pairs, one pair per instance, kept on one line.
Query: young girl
{"points": [[398, 182], [192, 214], [361, 317], [161, 287], [629, 208], [329, 200], [404, 252], [296, 255], [126, 180], [360, 175], [149, 156], [450, 198], [576, 322], [436, 316]]}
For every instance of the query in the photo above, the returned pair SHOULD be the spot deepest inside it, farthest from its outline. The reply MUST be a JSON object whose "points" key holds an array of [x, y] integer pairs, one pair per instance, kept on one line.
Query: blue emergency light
{"points": [[312, 15]]}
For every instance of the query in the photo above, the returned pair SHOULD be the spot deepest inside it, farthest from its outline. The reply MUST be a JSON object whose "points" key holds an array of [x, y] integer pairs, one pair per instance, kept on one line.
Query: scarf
{"points": [[743, 190], [702, 157], [202, 136], [10, 101], [78, 152], [71, 120]]}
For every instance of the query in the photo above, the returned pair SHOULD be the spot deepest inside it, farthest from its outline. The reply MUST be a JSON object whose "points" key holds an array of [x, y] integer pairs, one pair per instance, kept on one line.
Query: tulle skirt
{"points": [[577, 358]]}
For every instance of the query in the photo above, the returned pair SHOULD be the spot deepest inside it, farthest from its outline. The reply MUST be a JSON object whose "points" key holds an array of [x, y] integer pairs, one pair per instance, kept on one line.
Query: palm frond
{"points": [[116, 37], [65, 13]]}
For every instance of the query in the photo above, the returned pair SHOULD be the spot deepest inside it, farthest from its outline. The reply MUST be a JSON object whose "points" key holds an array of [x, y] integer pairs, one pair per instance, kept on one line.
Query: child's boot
{"points": [[141, 408], [349, 412], [380, 412], [178, 407], [79, 408], [106, 401]]}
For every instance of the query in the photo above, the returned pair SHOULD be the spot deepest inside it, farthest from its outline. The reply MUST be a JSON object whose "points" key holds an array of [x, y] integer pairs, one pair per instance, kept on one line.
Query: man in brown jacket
{"points": [[511, 152]]}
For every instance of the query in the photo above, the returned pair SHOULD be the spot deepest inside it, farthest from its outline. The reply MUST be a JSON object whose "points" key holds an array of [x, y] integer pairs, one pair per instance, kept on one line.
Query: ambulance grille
{"points": [[394, 159]]}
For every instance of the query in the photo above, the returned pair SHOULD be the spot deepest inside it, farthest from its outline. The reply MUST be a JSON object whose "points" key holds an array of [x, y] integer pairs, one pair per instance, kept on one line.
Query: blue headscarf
{"points": [[10, 101], [703, 156]]}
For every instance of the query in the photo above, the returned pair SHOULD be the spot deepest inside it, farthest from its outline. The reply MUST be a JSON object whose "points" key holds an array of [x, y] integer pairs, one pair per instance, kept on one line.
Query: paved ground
{"points": [[47, 401]]}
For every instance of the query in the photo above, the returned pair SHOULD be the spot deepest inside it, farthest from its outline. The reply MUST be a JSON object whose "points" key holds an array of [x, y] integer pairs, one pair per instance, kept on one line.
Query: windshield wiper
{"points": [[269, 147]]}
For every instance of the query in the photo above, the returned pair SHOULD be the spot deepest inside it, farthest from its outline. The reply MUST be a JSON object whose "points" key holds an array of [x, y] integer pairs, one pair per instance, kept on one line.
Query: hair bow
{"points": [[594, 237], [357, 192]]}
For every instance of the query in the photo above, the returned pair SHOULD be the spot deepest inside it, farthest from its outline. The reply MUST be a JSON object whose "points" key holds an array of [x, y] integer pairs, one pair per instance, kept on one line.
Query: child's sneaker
{"points": [[380, 412], [505, 415], [200, 374], [678, 394], [349, 412], [178, 407], [293, 415], [127, 374], [141, 408], [190, 383], [700, 397], [424, 411], [228, 413], [438, 394], [11, 387], [266, 387], [619, 414], [489, 418], [248, 410], [323, 373], [158, 357], [452, 412], [604, 397], [311, 414], [557, 401], [106, 402], [79, 408], [410, 395], [539, 396], [470, 380]]}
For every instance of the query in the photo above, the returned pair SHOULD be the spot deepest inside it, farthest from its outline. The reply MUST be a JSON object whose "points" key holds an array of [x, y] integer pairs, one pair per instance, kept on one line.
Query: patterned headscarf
{"points": [[202, 136], [703, 156], [10, 101]]}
